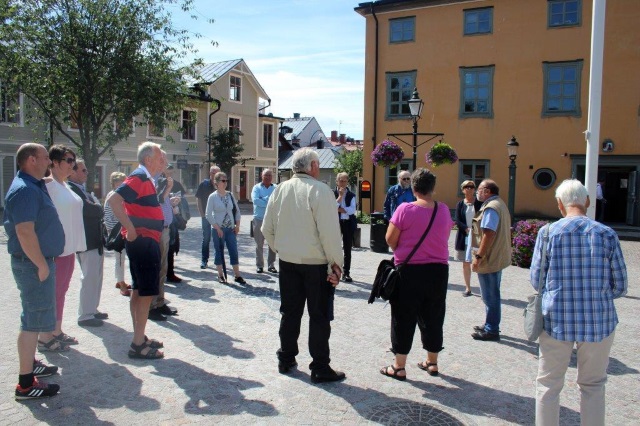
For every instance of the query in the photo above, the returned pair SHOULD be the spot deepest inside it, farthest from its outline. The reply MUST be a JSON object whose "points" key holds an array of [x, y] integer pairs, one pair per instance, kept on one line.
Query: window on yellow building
{"points": [[562, 88], [391, 177], [402, 29], [478, 21], [399, 89], [475, 170], [476, 92], [564, 13], [234, 126]]}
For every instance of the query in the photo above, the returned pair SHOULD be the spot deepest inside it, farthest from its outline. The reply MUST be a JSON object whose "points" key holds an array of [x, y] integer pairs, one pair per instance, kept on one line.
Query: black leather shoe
{"points": [[167, 310], [91, 322], [284, 367], [156, 315], [486, 336], [272, 269], [259, 270], [346, 278], [328, 375], [174, 279], [101, 316]]}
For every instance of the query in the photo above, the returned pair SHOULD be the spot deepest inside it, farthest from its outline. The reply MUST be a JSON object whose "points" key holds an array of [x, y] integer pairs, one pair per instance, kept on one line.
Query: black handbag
{"points": [[387, 280], [115, 241], [179, 221]]}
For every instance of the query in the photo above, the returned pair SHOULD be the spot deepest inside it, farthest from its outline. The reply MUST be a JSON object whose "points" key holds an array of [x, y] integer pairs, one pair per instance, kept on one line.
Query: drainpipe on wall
{"points": [[374, 137]]}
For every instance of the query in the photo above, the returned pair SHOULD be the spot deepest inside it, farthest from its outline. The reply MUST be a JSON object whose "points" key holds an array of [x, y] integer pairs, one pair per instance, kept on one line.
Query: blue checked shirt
{"points": [[586, 271]]}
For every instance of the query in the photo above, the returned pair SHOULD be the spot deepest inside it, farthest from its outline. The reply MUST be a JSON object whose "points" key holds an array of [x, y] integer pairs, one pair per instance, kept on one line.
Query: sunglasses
{"points": [[406, 178], [68, 160], [222, 180], [469, 187]]}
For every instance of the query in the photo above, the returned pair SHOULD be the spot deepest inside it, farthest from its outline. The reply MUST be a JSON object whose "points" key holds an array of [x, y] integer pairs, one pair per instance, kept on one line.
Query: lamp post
{"points": [[512, 150], [415, 107]]}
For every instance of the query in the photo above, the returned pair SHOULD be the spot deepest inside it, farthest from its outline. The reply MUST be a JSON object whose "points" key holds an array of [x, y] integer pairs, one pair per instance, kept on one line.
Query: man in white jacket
{"points": [[301, 225]]}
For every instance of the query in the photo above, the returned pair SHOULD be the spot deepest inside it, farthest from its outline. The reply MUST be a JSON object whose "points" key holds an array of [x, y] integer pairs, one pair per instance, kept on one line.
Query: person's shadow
{"points": [[211, 394], [91, 384]]}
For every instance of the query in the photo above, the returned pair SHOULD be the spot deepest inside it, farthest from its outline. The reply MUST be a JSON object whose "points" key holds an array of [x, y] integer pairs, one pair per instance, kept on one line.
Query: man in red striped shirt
{"points": [[136, 206]]}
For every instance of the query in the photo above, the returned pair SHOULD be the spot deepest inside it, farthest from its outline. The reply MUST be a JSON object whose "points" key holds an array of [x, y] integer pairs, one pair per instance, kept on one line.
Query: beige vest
{"points": [[499, 255]]}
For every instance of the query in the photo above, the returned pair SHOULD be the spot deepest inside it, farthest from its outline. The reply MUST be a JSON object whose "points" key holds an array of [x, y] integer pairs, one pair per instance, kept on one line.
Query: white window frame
{"points": [[194, 123], [150, 136], [272, 136], [235, 117], [239, 94]]}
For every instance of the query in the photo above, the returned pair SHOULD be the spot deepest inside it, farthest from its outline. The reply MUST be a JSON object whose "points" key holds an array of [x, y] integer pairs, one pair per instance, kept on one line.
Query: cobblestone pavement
{"points": [[220, 364]]}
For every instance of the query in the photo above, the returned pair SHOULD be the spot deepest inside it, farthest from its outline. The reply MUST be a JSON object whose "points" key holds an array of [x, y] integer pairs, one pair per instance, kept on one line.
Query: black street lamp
{"points": [[512, 149], [415, 107]]}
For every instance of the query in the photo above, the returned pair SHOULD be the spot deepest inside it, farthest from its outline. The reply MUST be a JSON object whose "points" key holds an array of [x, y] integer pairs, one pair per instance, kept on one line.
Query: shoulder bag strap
{"points": [[433, 216], [542, 279]]}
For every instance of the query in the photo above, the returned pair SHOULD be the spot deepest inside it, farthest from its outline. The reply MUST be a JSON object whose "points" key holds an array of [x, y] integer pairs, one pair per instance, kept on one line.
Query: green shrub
{"points": [[363, 218]]}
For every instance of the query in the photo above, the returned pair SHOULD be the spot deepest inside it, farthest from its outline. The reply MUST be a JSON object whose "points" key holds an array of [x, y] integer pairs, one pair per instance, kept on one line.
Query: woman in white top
{"points": [[465, 212], [110, 221], [69, 207], [226, 225]]}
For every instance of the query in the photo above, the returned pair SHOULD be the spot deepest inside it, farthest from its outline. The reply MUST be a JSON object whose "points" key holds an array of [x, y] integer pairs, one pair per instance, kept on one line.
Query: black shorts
{"points": [[144, 264]]}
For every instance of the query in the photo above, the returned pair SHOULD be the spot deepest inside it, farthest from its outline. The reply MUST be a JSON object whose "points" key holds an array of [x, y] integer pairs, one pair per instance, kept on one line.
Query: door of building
{"points": [[243, 185], [633, 199]]}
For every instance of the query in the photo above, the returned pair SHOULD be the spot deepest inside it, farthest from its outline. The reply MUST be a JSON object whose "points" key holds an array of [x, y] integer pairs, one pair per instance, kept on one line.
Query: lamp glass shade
{"points": [[415, 104], [512, 147]]}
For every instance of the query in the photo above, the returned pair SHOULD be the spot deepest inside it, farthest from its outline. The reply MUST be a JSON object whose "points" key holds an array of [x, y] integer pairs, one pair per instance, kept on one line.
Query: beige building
{"points": [[489, 69], [241, 100]]}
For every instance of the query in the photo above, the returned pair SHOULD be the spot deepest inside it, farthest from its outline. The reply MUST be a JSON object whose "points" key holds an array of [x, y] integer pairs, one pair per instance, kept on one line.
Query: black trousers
{"points": [[347, 243], [421, 299], [300, 284]]}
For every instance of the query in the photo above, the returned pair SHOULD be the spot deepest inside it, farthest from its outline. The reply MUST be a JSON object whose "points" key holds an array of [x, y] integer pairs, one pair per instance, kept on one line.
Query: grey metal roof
{"points": [[297, 124], [327, 158], [211, 72]]}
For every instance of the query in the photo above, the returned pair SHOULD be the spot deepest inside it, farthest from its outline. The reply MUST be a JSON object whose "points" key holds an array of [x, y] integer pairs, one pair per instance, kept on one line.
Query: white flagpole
{"points": [[592, 134]]}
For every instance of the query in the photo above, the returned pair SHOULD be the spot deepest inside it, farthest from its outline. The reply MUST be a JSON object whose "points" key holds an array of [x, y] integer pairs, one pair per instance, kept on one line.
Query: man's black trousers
{"points": [[346, 227]]}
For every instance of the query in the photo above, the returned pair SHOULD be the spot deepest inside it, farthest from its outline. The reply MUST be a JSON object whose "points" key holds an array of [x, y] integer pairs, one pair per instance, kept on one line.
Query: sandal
{"points": [[66, 339], [52, 345], [124, 288], [136, 352], [385, 372], [153, 343], [421, 366]]}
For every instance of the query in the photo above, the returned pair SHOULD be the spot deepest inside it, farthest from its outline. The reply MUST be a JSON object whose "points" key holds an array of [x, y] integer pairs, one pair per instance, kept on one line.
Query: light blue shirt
{"points": [[490, 218], [260, 198]]}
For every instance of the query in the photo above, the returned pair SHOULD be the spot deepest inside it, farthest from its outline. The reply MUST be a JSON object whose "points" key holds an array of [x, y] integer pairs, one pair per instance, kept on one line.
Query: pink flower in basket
{"points": [[387, 154]]}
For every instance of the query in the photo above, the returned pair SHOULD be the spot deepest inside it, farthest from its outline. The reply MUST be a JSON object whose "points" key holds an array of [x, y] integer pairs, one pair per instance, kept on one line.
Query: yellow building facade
{"points": [[488, 70]]}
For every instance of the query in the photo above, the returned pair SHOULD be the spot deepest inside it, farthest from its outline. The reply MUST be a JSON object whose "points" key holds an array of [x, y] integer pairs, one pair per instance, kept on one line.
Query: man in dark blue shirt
{"points": [[35, 237]]}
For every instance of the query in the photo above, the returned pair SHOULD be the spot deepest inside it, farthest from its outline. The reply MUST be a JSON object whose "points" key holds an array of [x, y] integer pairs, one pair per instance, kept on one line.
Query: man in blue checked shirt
{"points": [[260, 198], [586, 271]]}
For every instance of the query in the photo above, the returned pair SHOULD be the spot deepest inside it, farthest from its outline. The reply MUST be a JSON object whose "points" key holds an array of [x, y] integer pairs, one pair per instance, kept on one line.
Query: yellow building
{"points": [[489, 69]]}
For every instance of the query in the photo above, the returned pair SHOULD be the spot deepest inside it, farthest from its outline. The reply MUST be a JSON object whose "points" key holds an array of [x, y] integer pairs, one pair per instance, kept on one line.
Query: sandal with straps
{"points": [[136, 352], [52, 345], [153, 343], [66, 339], [421, 366], [385, 372]]}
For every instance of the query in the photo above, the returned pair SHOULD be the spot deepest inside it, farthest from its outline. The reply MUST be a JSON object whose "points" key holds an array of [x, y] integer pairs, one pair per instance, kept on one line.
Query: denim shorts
{"points": [[38, 297], [144, 265]]}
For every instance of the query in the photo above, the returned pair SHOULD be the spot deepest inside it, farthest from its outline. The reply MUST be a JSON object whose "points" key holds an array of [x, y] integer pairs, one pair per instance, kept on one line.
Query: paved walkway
{"points": [[220, 364]]}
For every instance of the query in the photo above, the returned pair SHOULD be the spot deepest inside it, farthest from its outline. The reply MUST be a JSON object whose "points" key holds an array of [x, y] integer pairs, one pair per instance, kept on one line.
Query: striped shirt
{"points": [[586, 271], [141, 204]]}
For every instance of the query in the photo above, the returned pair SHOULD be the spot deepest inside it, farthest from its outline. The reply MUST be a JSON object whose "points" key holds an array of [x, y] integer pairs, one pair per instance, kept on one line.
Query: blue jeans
{"points": [[229, 238], [490, 288], [206, 239], [38, 297]]}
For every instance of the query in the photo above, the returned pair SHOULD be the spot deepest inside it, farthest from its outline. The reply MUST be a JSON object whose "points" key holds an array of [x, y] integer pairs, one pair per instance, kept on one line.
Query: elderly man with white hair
{"points": [[585, 271], [301, 225], [398, 194]]}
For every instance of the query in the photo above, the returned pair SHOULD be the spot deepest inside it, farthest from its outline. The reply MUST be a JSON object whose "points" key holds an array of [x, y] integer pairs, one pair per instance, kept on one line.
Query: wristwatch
{"points": [[477, 256]]}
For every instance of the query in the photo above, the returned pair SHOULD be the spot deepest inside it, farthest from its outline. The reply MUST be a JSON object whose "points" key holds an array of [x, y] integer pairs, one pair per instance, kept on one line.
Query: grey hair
{"points": [[302, 160], [265, 171], [145, 150], [404, 173], [342, 174], [572, 192]]}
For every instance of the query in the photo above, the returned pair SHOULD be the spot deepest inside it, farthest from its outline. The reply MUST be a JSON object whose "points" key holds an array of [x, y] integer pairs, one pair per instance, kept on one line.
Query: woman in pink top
{"points": [[422, 294]]}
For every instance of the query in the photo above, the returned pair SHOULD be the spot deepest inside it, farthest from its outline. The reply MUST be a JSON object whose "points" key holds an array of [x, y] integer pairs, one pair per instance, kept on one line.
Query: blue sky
{"points": [[308, 55]]}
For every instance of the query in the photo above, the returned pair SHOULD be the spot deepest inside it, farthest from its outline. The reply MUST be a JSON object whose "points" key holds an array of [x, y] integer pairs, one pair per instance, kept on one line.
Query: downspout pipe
{"points": [[219, 105], [374, 136], [265, 107]]}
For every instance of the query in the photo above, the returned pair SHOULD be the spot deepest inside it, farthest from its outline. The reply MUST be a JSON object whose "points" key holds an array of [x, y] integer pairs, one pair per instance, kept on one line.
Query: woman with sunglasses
{"points": [[465, 212], [220, 213], [69, 207]]}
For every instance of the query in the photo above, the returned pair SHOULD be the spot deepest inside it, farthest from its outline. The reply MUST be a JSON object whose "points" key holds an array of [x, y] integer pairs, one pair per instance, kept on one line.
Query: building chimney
{"points": [[320, 143], [334, 136], [343, 137], [296, 115]]}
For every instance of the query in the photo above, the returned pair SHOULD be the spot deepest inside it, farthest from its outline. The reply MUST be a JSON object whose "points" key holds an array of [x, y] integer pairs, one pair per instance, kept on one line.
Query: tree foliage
{"points": [[226, 148], [90, 66], [350, 162]]}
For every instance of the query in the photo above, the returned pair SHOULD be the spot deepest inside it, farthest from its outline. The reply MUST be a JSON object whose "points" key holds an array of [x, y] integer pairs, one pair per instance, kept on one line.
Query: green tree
{"points": [[350, 162], [94, 65], [226, 148]]}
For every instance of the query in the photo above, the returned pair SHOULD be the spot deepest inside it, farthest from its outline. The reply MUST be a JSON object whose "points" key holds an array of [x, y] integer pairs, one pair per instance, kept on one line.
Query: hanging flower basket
{"points": [[387, 154], [441, 153]]}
